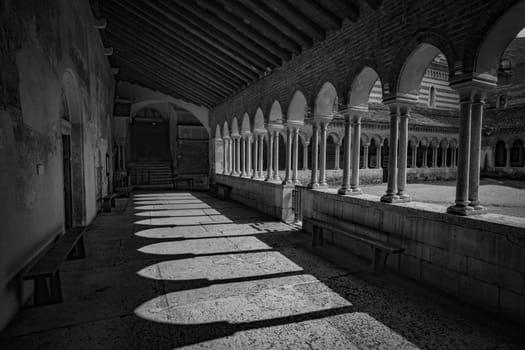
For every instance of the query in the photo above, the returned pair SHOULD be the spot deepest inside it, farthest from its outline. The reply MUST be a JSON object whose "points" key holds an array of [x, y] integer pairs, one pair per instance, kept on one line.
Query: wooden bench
{"points": [[223, 191], [45, 272], [380, 250], [109, 202]]}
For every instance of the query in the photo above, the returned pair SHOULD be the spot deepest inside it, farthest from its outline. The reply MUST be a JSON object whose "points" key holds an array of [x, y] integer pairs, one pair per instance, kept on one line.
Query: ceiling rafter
{"points": [[300, 21], [270, 16], [267, 28], [318, 13], [173, 57], [222, 42], [342, 9], [173, 36], [207, 18]]}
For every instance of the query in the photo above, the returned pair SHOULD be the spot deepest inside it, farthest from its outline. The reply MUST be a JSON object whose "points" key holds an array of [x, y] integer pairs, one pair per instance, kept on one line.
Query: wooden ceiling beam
{"points": [[276, 20], [374, 4], [200, 80], [205, 19], [295, 17], [123, 14], [133, 75], [343, 9], [218, 43], [241, 26], [262, 26], [186, 79], [179, 85], [317, 13], [171, 56]]}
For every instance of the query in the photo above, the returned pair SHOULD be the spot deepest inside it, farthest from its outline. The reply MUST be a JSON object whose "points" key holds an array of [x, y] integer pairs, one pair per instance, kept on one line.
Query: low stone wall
{"points": [[479, 259], [431, 174], [272, 199]]}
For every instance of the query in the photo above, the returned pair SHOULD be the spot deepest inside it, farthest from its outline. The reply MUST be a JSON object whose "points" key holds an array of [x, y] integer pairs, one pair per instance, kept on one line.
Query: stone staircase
{"points": [[152, 174]]}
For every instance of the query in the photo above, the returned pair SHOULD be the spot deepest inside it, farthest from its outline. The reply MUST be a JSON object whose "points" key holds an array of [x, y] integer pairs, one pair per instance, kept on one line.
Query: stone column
{"points": [[232, 156], [391, 191], [507, 159], [461, 207], [322, 160], [337, 151], [260, 157], [289, 144], [378, 156], [444, 158], [224, 156], [248, 156], [269, 157], [365, 156], [255, 174], [453, 157], [305, 155], [276, 176], [295, 154], [403, 148], [475, 153], [242, 156], [435, 156], [354, 182], [345, 185], [314, 181], [425, 157], [414, 156]]}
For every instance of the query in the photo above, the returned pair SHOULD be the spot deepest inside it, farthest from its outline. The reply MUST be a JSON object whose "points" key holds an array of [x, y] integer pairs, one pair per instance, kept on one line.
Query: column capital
{"points": [[473, 86], [294, 124], [274, 127]]}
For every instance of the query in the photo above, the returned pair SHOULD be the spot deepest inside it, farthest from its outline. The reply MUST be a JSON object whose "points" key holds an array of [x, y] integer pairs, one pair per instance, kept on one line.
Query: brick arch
{"points": [[316, 88], [497, 25], [414, 140], [365, 139], [235, 127], [275, 112], [424, 45], [325, 99], [245, 123], [354, 74], [225, 129], [258, 120], [218, 134], [295, 106], [335, 136]]}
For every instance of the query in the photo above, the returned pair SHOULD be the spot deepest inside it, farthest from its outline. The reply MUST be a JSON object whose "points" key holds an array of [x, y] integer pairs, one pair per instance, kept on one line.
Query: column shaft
{"points": [[403, 149], [322, 161], [261, 156], [314, 182], [269, 157], [248, 156], [255, 174], [345, 185], [365, 156], [336, 160], [276, 176], [378, 157], [295, 153], [392, 158], [305, 155], [354, 183], [475, 154], [242, 158], [414, 157], [224, 156], [289, 144]]}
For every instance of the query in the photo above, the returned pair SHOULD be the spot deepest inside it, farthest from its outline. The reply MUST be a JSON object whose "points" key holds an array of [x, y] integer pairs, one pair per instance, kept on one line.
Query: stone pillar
{"points": [[345, 185], [314, 181], [269, 157], [322, 160], [242, 156], [289, 149], [260, 156], [378, 156], [224, 156], [403, 148], [295, 156], [461, 207], [391, 191], [248, 156], [444, 158], [255, 174], [232, 156], [453, 157], [337, 151], [475, 153], [414, 156], [507, 159], [354, 182], [305, 155], [276, 176], [435, 156], [365, 156]]}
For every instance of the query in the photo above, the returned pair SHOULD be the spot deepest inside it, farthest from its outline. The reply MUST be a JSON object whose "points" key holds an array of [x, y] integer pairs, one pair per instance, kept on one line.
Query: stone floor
{"points": [[186, 271]]}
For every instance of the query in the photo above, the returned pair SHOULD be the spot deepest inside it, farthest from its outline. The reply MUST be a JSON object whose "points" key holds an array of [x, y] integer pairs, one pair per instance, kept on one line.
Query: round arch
{"points": [[298, 107], [276, 113], [361, 87], [325, 100]]}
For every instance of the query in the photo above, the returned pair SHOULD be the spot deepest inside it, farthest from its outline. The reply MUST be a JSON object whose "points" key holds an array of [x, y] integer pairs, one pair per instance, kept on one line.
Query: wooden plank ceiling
{"points": [[204, 51]]}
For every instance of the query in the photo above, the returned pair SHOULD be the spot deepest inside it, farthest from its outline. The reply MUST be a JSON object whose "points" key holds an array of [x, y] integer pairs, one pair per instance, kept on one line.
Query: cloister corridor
{"points": [[186, 270]]}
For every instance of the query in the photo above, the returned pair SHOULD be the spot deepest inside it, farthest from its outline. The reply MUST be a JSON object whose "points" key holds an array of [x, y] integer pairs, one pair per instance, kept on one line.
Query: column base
{"points": [[349, 191], [313, 186], [390, 198], [460, 210], [288, 182], [297, 183], [403, 198], [323, 185], [478, 208]]}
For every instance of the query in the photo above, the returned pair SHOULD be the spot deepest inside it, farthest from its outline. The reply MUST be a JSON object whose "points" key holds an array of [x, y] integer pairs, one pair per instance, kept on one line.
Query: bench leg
{"points": [[317, 236], [48, 290], [79, 250], [378, 261]]}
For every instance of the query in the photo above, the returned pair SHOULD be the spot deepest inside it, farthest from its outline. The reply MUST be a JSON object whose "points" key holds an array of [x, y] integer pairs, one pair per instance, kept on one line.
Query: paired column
{"points": [[255, 174], [314, 180], [225, 156], [242, 156], [337, 152], [295, 156], [260, 156], [378, 156], [365, 156], [414, 156], [237, 156], [345, 185], [354, 183], [475, 153], [289, 149], [322, 160], [276, 176], [248, 164], [269, 157], [305, 155], [398, 138]]}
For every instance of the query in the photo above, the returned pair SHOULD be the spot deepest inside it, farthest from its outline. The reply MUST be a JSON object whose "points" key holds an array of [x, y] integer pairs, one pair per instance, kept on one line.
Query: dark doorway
{"points": [[150, 141], [66, 165]]}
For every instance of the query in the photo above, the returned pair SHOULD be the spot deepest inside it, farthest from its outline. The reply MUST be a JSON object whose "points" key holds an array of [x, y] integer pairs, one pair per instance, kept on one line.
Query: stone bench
{"points": [[380, 250], [223, 191], [46, 271]]}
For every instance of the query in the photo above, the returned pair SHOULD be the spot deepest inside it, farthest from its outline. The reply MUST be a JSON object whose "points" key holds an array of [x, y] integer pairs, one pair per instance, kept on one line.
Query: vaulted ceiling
{"points": [[204, 51]]}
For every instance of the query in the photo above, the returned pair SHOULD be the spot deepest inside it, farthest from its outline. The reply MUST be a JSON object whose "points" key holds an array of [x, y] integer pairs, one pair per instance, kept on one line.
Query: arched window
{"points": [[500, 154], [516, 154], [432, 97]]}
